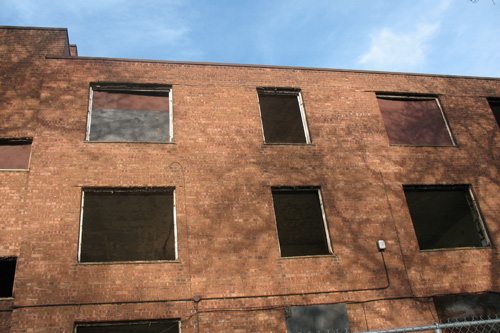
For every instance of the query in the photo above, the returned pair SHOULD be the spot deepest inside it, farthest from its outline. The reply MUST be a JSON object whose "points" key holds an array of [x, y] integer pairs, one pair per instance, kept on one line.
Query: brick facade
{"points": [[223, 172]]}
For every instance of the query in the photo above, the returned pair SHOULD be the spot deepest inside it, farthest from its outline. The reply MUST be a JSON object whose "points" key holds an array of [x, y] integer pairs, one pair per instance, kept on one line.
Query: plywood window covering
{"points": [[7, 273], [128, 224], [283, 116], [144, 326], [15, 153], [451, 308], [495, 107], [130, 113], [317, 318], [300, 221], [445, 216], [413, 120]]}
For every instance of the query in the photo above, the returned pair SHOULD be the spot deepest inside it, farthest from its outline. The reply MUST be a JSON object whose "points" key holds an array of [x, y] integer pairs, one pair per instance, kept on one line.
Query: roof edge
{"points": [[32, 28], [195, 63]]}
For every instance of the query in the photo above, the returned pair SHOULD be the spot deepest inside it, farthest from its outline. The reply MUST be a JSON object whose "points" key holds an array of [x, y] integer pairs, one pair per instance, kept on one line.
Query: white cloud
{"points": [[23, 11], [113, 28], [399, 51]]}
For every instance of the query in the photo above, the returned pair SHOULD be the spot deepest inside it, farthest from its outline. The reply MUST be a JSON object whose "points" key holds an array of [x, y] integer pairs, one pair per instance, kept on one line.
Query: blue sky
{"points": [[423, 36]]}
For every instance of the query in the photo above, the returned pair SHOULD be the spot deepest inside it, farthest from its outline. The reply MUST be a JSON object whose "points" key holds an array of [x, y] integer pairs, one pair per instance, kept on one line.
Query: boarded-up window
{"points": [[15, 154], [495, 107], [283, 117], [7, 272], [130, 113], [156, 326], [414, 121], [128, 225], [452, 308], [317, 318], [300, 221], [445, 217]]}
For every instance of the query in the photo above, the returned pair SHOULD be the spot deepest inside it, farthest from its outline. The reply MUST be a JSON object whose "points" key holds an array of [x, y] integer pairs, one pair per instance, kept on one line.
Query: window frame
{"points": [[402, 96], [127, 322], [322, 315], [285, 92], [456, 307], [18, 141], [130, 87], [494, 100], [474, 209], [14, 259], [128, 189], [323, 216]]}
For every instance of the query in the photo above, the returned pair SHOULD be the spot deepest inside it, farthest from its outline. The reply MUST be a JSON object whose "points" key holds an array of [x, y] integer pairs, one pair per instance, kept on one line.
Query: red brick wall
{"points": [[22, 55], [223, 174]]}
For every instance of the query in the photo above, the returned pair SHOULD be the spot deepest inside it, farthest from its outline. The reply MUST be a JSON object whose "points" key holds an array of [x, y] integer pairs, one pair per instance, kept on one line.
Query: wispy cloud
{"points": [[273, 28], [407, 44], [399, 51], [114, 28], [430, 36]]}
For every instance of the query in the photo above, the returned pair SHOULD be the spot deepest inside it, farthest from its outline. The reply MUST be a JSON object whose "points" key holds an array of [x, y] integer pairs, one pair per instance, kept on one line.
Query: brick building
{"points": [[202, 197]]}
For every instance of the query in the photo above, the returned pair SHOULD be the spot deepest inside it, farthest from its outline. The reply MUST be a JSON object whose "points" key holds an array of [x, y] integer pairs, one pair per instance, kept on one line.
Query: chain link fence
{"points": [[489, 325], [476, 325], [464, 325]]}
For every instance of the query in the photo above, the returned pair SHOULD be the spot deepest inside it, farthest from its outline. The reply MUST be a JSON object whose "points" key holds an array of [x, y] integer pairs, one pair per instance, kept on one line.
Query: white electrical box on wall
{"points": [[381, 245]]}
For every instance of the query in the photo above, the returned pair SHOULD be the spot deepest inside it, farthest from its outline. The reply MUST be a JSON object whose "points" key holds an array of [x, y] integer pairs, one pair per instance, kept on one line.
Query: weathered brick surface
{"points": [[22, 57], [223, 173], [5, 321]]}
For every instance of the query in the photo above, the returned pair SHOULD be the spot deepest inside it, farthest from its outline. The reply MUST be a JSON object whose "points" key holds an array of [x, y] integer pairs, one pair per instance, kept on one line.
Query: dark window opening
{"points": [[15, 153], [445, 216], [452, 308], [495, 107], [300, 222], [128, 225], [7, 272], [157, 326], [130, 113], [415, 121], [317, 318], [283, 118]]}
